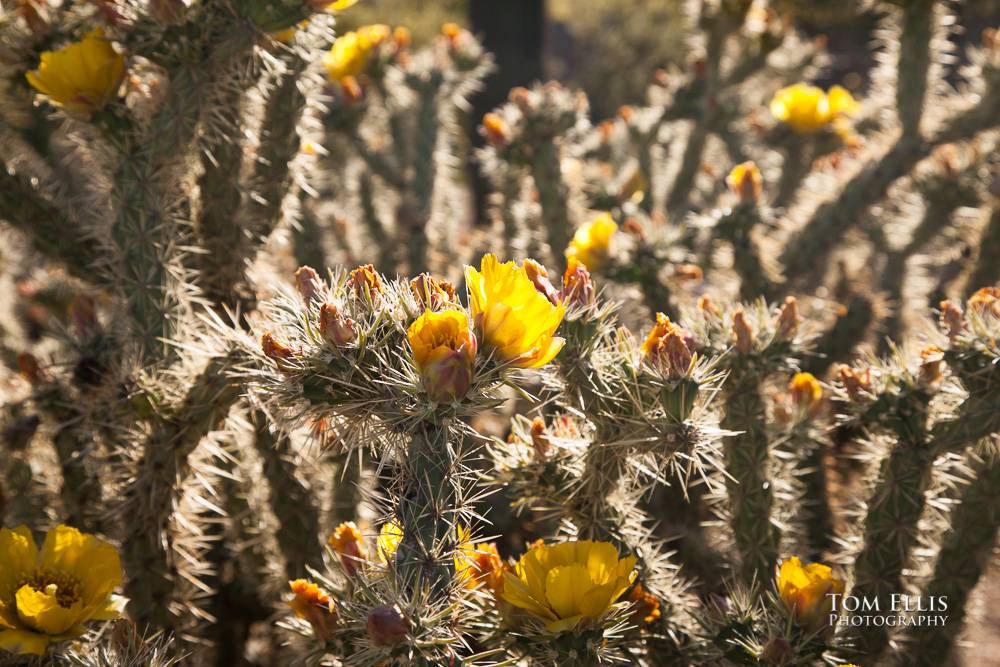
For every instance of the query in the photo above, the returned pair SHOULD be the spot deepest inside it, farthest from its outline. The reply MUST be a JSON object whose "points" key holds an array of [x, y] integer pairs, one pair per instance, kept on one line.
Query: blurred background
{"points": [[609, 47]]}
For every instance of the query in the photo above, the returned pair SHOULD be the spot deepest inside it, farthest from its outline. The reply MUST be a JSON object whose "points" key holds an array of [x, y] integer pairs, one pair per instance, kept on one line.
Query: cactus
{"points": [[676, 273]]}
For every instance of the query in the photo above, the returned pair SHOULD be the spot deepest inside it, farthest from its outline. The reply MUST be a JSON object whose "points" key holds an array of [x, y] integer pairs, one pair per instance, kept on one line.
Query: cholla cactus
{"points": [[667, 398]]}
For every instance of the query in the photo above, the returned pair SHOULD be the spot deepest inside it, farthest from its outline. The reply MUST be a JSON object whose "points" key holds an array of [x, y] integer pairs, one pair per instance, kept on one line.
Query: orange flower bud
{"points": [[314, 606], [387, 626], [745, 181], [432, 294], [707, 308], [985, 303], [495, 130], [539, 277], [30, 369], [539, 438], [931, 365], [688, 272], [856, 382], [346, 542], [746, 339], [788, 319], [646, 606], [666, 349], [805, 392], [365, 286], [127, 642], [278, 351], [401, 38], [339, 330], [952, 320]]}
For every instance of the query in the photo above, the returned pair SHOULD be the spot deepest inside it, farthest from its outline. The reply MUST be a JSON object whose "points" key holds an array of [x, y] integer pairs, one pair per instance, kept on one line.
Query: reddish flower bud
{"points": [[278, 351], [387, 626], [494, 130], [29, 367], [83, 313], [578, 289], [856, 382], [745, 181], [310, 286], [127, 643], [777, 651], [339, 330], [539, 438], [931, 365], [707, 308], [539, 277]]}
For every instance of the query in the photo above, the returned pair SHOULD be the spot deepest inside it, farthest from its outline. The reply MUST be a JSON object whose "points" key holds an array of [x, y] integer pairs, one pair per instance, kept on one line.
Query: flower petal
{"points": [[18, 556], [24, 642], [40, 610], [565, 587]]}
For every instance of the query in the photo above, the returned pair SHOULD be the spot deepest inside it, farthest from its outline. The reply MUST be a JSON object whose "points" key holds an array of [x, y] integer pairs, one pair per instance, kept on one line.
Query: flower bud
{"points": [[387, 626], [932, 361], [31, 369], [635, 230], [689, 272], [314, 606], [495, 130], [645, 606], [805, 393], [777, 651], [707, 307], [985, 303], [339, 330], [592, 242], [719, 607], [483, 567], [539, 277], [83, 313], [746, 339], [856, 382], [666, 349], [401, 38], [788, 319], [432, 294], [346, 542], [444, 353], [365, 287], [578, 289], [310, 286], [745, 181], [540, 439], [952, 320], [278, 351], [127, 643]]}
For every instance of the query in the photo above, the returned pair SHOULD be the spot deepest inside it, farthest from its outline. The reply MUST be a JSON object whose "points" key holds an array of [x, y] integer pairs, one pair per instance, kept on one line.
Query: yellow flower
{"points": [[807, 590], [46, 596], [444, 352], [591, 243], [807, 108], [480, 565], [517, 322], [805, 391], [333, 5], [389, 538], [348, 56], [82, 77], [565, 585]]}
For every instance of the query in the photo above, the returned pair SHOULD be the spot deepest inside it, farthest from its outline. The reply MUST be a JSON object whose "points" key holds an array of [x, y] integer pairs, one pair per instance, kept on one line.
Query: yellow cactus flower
{"points": [[592, 243], [349, 55], [517, 321], [47, 595], [444, 352], [84, 76], [805, 391], [745, 181], [807, 592], [480, 565], [807, 108], [567, 585]]}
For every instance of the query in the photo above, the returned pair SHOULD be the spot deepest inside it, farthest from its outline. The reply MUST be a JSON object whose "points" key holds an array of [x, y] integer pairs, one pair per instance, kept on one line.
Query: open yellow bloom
{"points": [[592, 242], [807, 590], [349, 55], [568, 584], [516, 321], [807, 108], [46, 596], [82, 77], [444, 352]]}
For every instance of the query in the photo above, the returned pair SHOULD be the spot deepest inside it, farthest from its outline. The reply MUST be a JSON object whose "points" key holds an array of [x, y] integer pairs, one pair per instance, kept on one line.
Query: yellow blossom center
{"points": [[63, 586]]}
